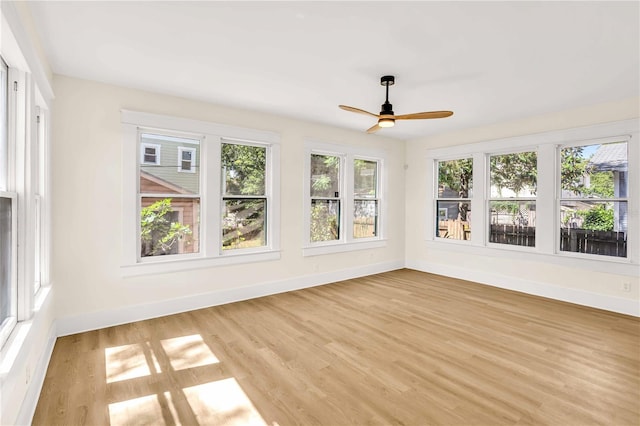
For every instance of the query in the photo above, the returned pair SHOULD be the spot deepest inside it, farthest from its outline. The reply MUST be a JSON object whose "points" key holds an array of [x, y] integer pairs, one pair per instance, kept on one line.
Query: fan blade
{"points": [[422, 115], [373, 128], [358, 110]]}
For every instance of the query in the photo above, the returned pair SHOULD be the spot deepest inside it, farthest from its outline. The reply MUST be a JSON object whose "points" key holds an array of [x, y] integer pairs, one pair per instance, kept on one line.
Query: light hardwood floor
{"points": [[403, 347]]}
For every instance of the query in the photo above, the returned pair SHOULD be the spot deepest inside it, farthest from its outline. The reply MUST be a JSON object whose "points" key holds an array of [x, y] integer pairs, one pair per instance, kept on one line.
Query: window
{"points": [[219, 206], [150, 153], [325, 197], [568, 201], [8, 220], [186, 159], [23, 205], [244, 196], [366, 202], [512, 205], [593, 199], [453, 199], [169, 201], [345, 203]]}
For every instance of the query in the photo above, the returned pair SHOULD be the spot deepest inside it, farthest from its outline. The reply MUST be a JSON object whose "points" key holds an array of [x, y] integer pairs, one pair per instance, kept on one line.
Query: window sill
{"points": [[605, 264], [185, 264], [342, 247]]}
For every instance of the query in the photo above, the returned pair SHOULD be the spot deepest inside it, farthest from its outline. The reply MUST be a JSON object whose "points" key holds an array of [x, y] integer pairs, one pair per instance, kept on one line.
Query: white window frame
{"points": [[623, 138], [192, 162], [489, 198], [377, 198], [7, 326], [470, 199], [143, 147], [211, 136], [346, 242], [547, 200], [27, 183]]}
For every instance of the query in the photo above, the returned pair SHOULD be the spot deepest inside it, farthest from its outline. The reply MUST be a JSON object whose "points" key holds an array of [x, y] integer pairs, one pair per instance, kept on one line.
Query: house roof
{"points": [[610, 157]]}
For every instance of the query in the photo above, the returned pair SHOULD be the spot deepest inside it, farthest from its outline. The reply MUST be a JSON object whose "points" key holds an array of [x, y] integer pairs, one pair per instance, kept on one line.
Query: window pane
{"points": [[243, 169], [164, 178], [514, 175], [454, 220], [595, 171], [243, 223], [325, 220], [365, 218], [6, 254], [513, 222], [455, 178], [169, 226], [594, 227], [365, 179], [325, 176]]}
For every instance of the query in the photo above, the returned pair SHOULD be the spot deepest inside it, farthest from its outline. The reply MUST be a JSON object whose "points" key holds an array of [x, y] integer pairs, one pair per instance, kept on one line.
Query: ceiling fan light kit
{"points": [[387, 117]]}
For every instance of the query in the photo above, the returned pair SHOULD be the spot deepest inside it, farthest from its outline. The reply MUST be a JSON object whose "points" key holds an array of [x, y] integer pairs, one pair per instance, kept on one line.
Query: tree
{"points": [[515, 172], [159, 234], [244, 175], [457, 176]]}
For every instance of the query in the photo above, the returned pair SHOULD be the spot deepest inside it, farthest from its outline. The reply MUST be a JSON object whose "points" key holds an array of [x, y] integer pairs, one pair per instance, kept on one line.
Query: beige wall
{"points": [[87, 223], [489, 264]]}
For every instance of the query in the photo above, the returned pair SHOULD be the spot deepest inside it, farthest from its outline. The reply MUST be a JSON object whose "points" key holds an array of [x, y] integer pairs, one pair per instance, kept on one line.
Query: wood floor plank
{"points": [[403, 347]]}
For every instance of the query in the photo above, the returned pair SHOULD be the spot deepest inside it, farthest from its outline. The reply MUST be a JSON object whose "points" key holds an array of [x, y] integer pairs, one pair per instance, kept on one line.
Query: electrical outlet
{"points": [[626, 286]]}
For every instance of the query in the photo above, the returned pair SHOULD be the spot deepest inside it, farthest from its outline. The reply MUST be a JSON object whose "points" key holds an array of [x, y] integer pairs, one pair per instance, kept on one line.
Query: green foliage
{"points": [[324, 223], [324, 174], [456, 175], [244, 167], [598, 218], [600, 185], [573, 168], [158, 233], [515, 171]]}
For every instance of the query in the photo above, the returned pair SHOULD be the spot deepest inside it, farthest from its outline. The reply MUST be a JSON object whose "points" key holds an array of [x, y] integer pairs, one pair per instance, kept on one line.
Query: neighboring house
{"points": [[613, 158], [169, 167]]}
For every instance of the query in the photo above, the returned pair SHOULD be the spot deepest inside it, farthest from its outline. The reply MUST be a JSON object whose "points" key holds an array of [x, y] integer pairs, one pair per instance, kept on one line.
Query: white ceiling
{"points": [[486, 61]]}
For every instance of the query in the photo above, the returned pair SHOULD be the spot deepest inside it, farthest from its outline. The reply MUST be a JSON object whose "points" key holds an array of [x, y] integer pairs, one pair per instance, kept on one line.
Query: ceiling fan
{"points": [[387, 118]]}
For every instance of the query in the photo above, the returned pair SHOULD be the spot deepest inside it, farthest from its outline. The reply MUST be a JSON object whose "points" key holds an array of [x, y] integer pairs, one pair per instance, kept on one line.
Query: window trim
{"points": [[211, 136], [346, 242], [436, 190], [547, 228]]}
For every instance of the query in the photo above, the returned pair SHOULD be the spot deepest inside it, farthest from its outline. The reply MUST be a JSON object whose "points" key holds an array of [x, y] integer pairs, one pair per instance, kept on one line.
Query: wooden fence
{"points": [[607, 243], [513, 234]]}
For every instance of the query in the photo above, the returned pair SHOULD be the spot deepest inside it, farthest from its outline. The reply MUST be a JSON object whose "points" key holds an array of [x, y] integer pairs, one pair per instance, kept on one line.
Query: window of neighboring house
{"points": [[150, 153], [162, 193], [512, 204], [325, 192], [366, 200], [244, 196], [453, 199], [594, 199], [345, 203], [186, 159]]}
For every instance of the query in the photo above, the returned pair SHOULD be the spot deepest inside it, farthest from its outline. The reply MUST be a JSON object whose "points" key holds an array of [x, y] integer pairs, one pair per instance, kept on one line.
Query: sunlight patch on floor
{"points": [[147, 410], [188, 352], [129, 361], [222, 403]]}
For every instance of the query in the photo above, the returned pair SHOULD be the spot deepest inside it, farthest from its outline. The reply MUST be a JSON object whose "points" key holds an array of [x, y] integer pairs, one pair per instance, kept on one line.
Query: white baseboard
{"points": [[28, 407], [102, 319], [579, 297]]}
